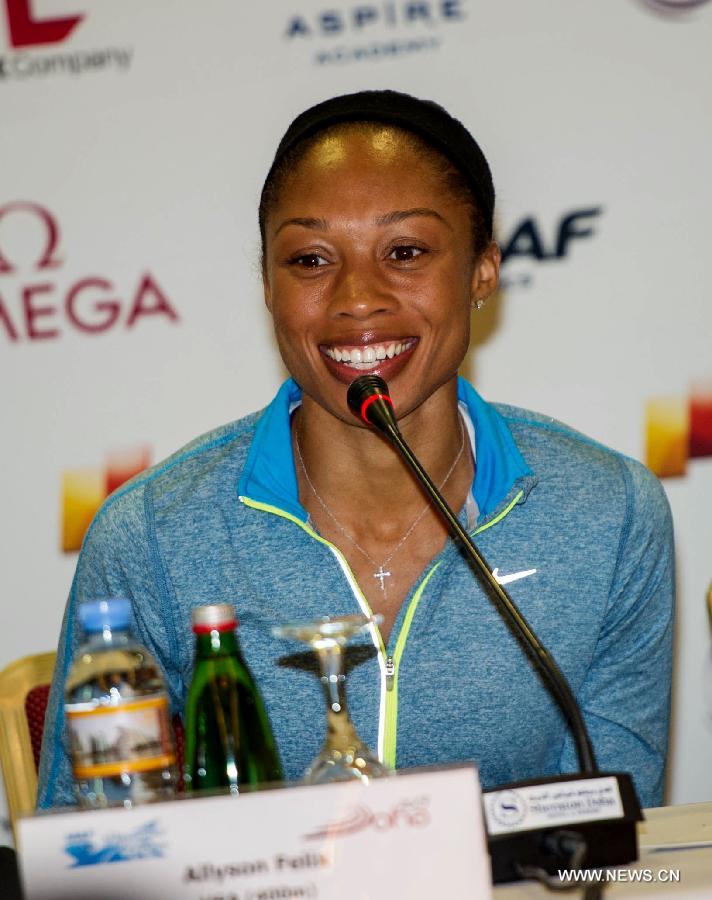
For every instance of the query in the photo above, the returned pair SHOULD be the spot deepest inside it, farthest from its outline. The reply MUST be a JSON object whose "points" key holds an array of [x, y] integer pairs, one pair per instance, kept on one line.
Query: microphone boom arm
{"points": [[369, 399]]}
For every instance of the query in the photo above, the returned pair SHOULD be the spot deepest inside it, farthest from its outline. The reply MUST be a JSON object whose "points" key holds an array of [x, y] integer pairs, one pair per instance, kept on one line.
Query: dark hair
{"points": [[431, 129]]}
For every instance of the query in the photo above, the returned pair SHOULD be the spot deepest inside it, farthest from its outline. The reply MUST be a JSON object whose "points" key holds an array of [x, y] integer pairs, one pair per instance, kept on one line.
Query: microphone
{"points": [[369, 399]]}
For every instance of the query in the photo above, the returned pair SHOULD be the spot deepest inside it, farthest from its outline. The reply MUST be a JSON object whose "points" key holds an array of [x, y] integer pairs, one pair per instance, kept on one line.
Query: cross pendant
{"points": [[381, 575]]}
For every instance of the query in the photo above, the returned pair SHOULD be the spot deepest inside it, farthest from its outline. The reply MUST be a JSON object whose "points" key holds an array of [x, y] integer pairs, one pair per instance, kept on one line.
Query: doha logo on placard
{"points": [[43, 297], [367, 32], [27, 31]]}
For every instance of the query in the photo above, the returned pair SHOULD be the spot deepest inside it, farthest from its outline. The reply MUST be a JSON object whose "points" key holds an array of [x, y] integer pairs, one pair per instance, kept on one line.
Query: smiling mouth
{"points": [[368, 356]]}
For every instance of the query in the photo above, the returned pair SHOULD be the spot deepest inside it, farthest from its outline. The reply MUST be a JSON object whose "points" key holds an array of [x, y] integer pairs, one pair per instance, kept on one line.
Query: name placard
{"points": [[418, 834]]}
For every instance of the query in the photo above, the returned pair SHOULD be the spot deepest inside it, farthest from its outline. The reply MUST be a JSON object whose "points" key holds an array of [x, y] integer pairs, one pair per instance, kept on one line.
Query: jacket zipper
{"points": [[388, 663], [393, 661], [376, 636], [390, 673]]}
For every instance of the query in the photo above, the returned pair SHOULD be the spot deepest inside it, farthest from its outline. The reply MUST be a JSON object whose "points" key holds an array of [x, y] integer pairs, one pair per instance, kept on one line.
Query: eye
{"points": [[309, 261], [405, 253]]}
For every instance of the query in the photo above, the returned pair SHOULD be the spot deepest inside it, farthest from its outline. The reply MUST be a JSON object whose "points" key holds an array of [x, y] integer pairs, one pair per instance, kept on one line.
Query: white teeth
{"points": [[368, 357]]}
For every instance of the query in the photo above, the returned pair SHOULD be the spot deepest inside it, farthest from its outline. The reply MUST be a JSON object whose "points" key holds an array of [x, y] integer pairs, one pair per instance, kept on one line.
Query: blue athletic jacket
{"points": [[581, 535]]}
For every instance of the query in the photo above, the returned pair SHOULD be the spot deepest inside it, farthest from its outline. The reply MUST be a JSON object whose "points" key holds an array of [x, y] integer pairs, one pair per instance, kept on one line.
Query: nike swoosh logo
{"points": [[515, 576]]}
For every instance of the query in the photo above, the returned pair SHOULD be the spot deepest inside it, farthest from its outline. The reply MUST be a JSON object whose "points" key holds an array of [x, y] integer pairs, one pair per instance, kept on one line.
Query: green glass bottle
{"points": [[228, 739]]}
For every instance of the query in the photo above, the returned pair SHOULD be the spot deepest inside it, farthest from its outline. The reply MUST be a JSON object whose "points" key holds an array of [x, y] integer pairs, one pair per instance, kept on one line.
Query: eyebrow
{"points": [[308, 222], [391, 218]]}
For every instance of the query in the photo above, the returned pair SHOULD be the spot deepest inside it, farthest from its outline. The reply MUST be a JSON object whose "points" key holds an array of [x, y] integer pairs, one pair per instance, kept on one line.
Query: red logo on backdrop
{"points": [[39, 306], [27, 31]]}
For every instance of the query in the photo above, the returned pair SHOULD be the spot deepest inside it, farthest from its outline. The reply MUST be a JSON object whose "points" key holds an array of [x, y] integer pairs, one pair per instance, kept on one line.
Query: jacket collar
{"points": [[269, 476]]}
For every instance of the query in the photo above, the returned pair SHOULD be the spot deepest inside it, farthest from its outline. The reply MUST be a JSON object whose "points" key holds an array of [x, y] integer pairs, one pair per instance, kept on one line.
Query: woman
{"points": [[376, 220]]}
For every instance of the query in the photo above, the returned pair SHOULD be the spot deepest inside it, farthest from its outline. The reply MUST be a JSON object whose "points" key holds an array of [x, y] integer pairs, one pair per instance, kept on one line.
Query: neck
{"points": [[359, 475]]}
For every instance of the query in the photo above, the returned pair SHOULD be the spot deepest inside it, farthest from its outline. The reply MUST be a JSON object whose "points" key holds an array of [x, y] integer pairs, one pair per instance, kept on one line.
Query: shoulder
{"points": [[562, 456], [199, 469]]}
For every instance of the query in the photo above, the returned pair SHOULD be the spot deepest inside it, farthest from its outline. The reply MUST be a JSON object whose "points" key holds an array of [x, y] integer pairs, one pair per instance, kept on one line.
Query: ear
{"points": [[266, 288], [485, 275]]}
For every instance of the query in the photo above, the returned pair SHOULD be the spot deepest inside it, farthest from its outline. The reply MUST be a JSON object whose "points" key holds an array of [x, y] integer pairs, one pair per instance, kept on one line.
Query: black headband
{"points": [[424, 118]]}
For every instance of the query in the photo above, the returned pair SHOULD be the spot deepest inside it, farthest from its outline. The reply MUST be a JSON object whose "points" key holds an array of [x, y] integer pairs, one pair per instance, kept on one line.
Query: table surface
{"points": [[671, 837]]}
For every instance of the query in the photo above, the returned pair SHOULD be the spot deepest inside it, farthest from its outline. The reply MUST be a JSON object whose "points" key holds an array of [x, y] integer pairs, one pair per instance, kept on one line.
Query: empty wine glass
{"points": [[344, 756]]}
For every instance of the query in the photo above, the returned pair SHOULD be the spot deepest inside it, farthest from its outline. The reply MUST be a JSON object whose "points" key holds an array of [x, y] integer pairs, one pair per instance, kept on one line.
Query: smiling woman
{"points": [[376, 223]]}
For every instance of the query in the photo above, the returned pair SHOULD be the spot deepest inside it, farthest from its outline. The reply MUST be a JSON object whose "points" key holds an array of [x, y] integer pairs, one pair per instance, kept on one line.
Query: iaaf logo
{"points": [[527, 241], [406, 814], [26, 31], [32, 308], [393, 28]]}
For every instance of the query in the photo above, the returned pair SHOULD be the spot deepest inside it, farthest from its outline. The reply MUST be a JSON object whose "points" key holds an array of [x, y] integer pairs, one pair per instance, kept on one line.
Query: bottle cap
{"points": [[213, 617], [96, 615]]}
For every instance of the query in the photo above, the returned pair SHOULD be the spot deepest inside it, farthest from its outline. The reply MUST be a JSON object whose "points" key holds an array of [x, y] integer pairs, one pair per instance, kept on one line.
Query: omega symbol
{"points": [[47, 258]]}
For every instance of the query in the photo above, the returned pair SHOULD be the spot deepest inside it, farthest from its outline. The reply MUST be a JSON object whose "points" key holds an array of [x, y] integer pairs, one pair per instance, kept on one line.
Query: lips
{"points": [[385, 358]]}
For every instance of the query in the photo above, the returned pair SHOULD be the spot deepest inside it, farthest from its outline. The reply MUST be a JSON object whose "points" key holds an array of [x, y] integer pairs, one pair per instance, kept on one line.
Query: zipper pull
{"points": [[390, 673]]}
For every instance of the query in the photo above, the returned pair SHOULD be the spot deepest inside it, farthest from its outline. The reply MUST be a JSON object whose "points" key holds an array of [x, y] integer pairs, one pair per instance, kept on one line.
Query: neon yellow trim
{"points": [[390, 739], [266, 507], [501, 515], [389, 742], [391, 701]]}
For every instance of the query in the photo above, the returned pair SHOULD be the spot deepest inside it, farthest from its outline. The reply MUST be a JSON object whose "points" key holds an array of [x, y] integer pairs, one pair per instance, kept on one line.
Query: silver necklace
{"points": [[381, 574]]}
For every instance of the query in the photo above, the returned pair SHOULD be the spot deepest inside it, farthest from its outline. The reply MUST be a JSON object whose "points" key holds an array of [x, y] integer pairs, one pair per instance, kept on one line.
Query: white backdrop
{"points": [[144, 134]]}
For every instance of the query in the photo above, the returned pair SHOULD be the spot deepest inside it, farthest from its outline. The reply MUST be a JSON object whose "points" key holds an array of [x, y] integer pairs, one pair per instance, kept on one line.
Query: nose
{"points": [[359, 293]]}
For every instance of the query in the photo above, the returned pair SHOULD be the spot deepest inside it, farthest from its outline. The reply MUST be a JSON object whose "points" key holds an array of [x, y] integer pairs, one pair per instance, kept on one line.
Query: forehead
{"points": [[375, 161]]}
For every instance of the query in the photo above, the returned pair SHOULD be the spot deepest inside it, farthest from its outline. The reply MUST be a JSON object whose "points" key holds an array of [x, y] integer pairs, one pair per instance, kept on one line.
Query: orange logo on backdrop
{"points": [[678, 429], [84, 490]]}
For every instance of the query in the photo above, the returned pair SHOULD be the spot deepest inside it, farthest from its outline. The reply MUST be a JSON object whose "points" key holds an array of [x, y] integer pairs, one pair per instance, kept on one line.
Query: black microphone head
{"points": [[369, 400]]}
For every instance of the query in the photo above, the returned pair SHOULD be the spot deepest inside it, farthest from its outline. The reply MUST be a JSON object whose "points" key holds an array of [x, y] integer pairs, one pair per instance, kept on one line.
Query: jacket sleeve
{"points": [[625, 696], [119, 558]]}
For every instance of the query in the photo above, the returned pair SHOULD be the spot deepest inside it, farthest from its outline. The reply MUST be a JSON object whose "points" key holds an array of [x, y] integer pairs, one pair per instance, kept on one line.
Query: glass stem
{"points": [[340, 733]]}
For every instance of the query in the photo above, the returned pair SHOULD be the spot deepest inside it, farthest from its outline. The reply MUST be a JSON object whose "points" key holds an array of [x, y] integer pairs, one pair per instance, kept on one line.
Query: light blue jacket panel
{"points": [[220, 521]]}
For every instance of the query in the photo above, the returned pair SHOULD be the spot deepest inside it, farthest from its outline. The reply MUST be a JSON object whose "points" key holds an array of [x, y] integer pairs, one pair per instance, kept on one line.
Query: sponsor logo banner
{"points": [[525, 244], [84, 490], [368, 32], [43, 298], [678, 429], [27, 31]]}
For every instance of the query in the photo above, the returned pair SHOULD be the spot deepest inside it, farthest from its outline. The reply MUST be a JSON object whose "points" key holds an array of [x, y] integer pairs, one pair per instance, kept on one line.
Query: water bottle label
{"points": [[134, 736]]}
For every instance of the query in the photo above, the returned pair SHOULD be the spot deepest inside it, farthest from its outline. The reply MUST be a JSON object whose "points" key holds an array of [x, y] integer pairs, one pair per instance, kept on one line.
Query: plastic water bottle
{"points": [[228, 739], [117, 713]]}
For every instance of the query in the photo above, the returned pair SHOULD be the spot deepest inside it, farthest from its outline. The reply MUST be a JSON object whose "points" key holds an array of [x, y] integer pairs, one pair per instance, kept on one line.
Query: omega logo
{"points": [[34, 308]]}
